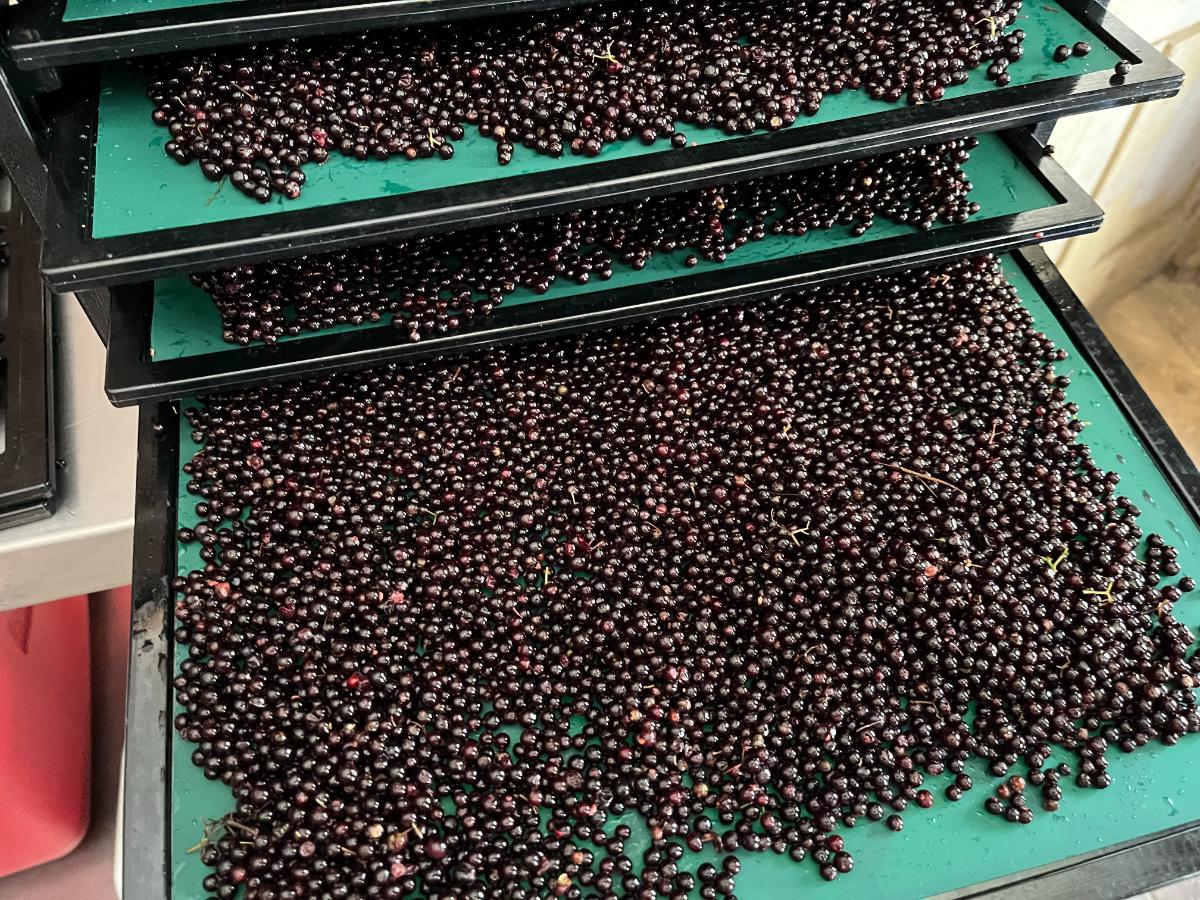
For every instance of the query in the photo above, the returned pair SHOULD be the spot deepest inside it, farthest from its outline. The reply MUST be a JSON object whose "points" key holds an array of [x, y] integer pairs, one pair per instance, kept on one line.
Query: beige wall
{"points": [[1142, 164]]}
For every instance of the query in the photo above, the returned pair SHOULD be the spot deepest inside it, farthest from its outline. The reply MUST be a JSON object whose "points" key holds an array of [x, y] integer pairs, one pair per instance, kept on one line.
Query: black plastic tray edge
{"points": [[74, 261], [132, 375], [1173, 459], [38, 37], [1112, 873], [24, 515], [21, 154], [28, 473], [146, 848], [95, 305]]}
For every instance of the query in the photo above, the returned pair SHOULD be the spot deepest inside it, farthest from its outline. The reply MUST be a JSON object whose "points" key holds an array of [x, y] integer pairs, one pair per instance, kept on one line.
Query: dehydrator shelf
{"points": [[67, 32], [124, 212], [27, 470], [1105, 844], [165, 338], [21, 153]]}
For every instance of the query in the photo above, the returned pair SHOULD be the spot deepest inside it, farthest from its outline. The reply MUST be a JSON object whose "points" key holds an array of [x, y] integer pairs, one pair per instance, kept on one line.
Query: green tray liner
{"points": [[185, 322], [83, 10], [952, 845], [138, 189]]}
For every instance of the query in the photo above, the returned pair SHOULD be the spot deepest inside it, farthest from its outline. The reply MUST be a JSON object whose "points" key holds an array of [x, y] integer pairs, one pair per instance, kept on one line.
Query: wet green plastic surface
{"points": [[139, 189], [186, 323], [954, 844], [81, 10]]}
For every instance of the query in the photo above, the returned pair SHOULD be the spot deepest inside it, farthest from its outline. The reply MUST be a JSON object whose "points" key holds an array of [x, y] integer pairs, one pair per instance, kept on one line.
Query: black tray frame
{"points": [[27, 469], [22, 151], [38, 37], [73, 260], [132, 374], [1112, 873]]}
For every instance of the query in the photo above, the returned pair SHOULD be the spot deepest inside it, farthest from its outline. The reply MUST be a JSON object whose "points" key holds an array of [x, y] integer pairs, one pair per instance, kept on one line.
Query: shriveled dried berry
{"points": [[456, 618], [562, 82], [432, 285]]}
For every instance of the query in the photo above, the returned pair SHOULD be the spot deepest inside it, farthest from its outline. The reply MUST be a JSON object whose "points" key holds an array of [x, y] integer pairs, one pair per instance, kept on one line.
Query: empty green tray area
{"points": [[138, 189], [83, 10], [954, 844], [186, 323]]}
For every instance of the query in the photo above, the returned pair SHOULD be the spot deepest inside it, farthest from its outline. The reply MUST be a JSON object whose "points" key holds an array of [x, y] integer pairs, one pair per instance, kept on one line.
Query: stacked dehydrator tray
{"points": [[124, 225], [27, 464]]}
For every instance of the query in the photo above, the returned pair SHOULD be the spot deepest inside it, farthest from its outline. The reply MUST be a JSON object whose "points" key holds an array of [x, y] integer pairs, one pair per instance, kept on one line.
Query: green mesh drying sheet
{"points": [[138, 189], [186, 323], [952, 845]]}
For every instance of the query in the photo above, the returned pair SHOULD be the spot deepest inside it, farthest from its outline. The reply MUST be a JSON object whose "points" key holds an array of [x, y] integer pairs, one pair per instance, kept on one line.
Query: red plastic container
{"points": [[45, 732]]}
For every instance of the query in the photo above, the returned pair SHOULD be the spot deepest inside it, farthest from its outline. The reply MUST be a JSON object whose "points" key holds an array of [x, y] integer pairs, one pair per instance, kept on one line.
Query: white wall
{"points": [[1142, 164]]}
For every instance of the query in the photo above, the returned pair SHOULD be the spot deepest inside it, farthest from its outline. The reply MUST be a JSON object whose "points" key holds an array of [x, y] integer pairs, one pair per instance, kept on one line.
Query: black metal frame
{"points": [[73, 260], [1112, 873], [145, 846], [21, 153], [27, 469], [95, 304], [39, 37], [133, 375]]}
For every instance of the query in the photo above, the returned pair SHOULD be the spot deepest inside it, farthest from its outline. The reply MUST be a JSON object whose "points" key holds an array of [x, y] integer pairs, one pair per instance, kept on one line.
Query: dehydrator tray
{"points": [[67, 32], [124, 212], [27, 470], [165, 338], [21, 153], [1142, 832]]}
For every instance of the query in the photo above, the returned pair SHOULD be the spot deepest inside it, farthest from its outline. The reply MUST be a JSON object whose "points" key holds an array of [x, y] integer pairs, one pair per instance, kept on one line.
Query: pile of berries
{"points": [[564, 82], [744, 578], [432, 285]]}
